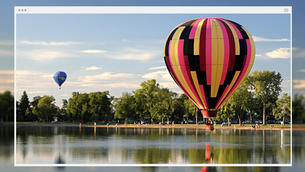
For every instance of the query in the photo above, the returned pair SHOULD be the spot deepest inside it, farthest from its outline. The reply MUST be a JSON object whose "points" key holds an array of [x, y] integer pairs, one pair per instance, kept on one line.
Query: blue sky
{"points": [[116, 52], [7, 37]]}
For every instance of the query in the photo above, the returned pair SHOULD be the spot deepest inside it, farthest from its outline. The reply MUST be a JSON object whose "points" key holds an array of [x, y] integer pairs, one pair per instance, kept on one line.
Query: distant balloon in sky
{"points": [[60, 77], [209, 58]]}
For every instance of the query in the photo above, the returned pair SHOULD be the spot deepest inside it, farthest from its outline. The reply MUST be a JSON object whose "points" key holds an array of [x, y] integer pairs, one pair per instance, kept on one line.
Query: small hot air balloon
{"points": [[60, 77], [209, 58]]}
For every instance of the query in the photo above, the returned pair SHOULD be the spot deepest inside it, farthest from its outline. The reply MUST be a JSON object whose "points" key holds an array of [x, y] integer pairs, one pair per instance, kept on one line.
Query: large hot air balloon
{"points": [[209, 58], [60, 77]]}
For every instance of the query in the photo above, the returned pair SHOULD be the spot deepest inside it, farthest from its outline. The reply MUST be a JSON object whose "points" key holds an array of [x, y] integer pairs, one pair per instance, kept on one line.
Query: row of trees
{"points": [[151, 101], [257, 96]]}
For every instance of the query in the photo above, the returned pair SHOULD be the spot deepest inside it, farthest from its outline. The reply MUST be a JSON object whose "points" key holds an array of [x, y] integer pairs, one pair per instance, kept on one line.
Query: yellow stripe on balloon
{"points": [[175, 61], [197, 38], [220, 56], [196, 83], [217, 57]]}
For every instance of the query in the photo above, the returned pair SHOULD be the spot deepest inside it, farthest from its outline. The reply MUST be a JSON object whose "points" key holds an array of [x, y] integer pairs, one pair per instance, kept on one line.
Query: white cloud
{"points": [[301, 70], [160, 67], [279, 53], [5, 87], [298, 52], [257, 39], [42, 55], [126, 40], [4, 53], [163, 78], [121, 85], [134, 54], [157, 75], [52, 43], [93, 68], [105, 76], [6, 43], [7, 76], [93, 51], [299, 84], [6, 72], [64, 95]]}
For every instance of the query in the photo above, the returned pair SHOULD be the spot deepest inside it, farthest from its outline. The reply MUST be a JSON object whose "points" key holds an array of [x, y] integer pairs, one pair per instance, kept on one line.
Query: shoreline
{"points": [[202, 126]]}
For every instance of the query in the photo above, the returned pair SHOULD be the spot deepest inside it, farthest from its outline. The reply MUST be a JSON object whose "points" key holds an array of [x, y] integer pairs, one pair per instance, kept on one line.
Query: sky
{"points": [[116, 65], [75, 49], [116, 52]]}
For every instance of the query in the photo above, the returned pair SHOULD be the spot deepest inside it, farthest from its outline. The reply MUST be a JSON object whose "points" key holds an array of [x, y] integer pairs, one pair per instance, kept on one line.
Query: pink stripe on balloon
{"points": [[193, 31], [226, 52], [208, 52]]}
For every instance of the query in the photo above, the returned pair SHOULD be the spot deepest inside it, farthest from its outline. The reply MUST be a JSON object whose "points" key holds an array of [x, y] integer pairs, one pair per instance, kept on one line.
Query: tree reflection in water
{"points": [[154, 146], [7, 153]]}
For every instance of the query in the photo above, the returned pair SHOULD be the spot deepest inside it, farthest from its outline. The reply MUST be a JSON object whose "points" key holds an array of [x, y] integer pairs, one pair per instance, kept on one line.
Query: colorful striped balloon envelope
{"points": [[209, 58]]}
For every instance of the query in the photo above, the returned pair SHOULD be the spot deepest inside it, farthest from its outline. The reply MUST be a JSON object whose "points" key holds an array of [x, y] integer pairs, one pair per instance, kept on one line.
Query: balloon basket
{"points": [[209, 113]]}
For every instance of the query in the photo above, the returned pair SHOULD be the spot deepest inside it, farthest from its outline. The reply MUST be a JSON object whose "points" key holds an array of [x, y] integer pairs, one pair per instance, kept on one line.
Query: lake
{"points": [[97, 145]]}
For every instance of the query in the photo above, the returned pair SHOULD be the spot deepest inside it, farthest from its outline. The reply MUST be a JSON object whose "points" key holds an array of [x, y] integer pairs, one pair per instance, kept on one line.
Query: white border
{"points": [[150, 10], [153, 10]]}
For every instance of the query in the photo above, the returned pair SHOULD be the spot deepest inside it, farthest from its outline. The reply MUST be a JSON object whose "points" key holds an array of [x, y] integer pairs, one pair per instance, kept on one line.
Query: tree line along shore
{"points": [[258, 98]]}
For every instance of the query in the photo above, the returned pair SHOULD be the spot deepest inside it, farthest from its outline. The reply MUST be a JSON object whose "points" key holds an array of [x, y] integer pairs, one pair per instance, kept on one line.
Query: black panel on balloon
{"points": [[186, 32], [221, 89], [212, 102], [188, 47], [229, 77]]}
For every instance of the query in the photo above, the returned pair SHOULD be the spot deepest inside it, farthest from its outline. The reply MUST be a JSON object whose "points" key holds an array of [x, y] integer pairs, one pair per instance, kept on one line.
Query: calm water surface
{"points": [[94, 145], [7, 160]]}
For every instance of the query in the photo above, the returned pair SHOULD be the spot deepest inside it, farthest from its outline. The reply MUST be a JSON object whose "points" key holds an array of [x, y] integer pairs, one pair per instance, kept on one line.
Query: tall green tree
{"points": [[266, 85], [24, 105], [225, 112], [190, 109], [163, 104], [240, 102], [78, 107], [298, 108], [93, 106], [100, 106], [283, 107], [124, 107], [45, 108], [6, 106], [179, 108], [145, 96]]}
